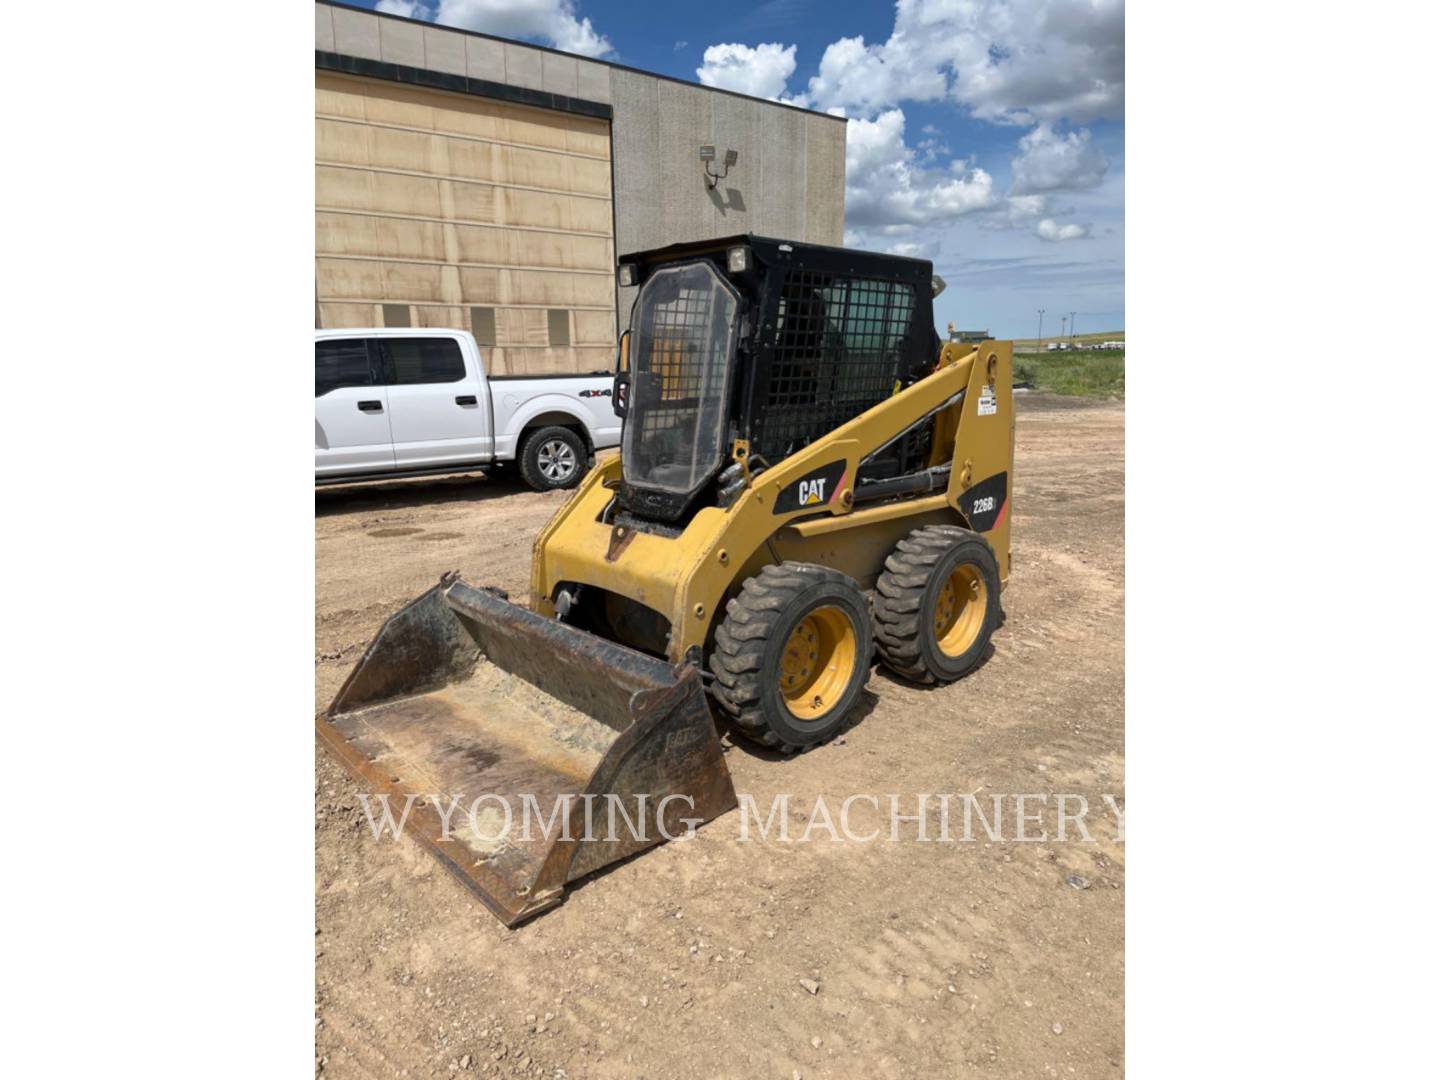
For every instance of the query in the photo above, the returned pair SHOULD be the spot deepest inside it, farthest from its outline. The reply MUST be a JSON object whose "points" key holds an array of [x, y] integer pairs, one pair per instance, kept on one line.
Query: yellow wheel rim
{"points": [[818, 662], [960, 610]]}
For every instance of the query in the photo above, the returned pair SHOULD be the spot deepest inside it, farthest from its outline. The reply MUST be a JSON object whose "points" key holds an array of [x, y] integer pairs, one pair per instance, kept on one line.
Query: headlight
{"points": [[628, 274], [738, 259]]}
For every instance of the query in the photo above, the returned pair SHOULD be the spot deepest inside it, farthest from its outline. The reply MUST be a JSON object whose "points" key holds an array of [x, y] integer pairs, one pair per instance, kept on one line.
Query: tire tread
{"points": [[900, 593], [751, 617]]}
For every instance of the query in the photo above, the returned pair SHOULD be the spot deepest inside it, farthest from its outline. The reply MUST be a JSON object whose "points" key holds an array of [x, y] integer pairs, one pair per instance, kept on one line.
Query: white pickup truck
{"points": [[405, 402]]}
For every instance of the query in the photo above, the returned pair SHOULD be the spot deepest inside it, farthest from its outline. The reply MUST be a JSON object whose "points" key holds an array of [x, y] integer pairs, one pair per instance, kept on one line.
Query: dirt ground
{"points": [[1000, 958]]}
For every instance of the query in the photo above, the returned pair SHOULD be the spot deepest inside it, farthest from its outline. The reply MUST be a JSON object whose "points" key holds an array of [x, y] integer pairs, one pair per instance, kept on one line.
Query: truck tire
{"points": [[552, 458], [936, 604], [792, 655]]}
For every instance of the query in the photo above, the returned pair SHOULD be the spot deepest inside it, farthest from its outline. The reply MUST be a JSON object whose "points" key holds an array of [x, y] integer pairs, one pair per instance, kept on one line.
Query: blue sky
{"points": [[985, 135]]}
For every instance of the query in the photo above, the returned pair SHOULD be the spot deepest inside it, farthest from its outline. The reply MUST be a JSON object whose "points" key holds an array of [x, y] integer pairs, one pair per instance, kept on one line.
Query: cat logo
{"points": [[812, 492], [812, 489]]}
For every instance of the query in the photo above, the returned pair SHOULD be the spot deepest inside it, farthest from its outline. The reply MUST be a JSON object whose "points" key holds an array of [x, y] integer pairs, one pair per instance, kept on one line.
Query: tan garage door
{"points": [[439, 209]]}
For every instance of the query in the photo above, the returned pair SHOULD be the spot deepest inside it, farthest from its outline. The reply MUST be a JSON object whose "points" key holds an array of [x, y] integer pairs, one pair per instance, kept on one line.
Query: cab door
{"points": [[439, 403], [352, 410]]}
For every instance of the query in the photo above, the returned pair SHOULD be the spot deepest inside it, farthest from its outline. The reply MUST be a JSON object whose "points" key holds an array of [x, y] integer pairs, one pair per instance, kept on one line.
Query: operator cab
{"points": [[750, 345]]}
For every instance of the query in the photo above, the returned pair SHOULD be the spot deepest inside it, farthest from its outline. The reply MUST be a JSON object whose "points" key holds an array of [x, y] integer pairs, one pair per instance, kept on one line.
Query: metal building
{"points": [[467, 181]]}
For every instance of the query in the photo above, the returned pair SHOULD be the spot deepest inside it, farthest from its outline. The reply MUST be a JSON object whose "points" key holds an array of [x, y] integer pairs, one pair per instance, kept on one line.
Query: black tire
{"points": [[906, 598], [553, 458], [750, 655]]}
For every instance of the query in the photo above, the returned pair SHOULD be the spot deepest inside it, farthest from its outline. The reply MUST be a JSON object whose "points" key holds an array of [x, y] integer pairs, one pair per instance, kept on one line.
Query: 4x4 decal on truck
{"points": [[595, 393]]}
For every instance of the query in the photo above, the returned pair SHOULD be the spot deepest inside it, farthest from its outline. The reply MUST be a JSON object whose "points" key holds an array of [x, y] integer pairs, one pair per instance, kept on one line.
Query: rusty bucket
{"points": [[612, 749]]}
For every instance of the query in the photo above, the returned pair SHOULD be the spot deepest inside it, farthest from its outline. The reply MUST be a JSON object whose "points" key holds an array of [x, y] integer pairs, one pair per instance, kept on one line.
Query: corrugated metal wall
{"points": [[433, 204]]}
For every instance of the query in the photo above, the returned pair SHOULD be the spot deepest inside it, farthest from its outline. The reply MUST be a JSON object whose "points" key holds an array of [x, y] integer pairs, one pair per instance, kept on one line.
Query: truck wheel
{"points": [[936, 604], [552, 458], [792, 655]]}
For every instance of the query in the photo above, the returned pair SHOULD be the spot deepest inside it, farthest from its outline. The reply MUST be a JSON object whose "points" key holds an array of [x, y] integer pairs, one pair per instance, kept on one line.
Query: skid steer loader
{"points": [[807, 480]]}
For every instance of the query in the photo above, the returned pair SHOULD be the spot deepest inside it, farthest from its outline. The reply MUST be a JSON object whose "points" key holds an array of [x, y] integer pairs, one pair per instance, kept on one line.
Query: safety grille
{"points": [[682, 343], [840, 349]]}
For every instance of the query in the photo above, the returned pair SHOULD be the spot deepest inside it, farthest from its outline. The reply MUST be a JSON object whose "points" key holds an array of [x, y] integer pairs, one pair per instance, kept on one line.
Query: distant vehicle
{"points": [[1111, 345], [405, 402], [1052, 346]]}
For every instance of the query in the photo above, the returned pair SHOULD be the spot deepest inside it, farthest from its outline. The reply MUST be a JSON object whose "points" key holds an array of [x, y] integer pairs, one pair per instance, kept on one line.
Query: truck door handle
{"points": [[369, 406], [466, 399]]}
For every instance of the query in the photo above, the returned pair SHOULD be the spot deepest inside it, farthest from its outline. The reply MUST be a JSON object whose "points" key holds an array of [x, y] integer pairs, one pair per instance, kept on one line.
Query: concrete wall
{"points": [[454, 210], [789, 181]]}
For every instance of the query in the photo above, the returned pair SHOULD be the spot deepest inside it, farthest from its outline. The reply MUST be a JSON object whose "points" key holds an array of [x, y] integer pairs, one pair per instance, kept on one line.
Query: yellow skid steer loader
{"points": [[808, 479]]}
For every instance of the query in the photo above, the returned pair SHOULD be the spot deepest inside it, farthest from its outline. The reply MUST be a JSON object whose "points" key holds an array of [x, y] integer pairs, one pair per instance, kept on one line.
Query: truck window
{"points": [[424, 360], [340, 363]]}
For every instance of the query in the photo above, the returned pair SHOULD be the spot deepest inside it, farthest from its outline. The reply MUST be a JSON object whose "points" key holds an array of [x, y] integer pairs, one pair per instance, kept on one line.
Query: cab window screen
{"points": [[840, 350], [342, 363], [682, 345], [424, 360]]}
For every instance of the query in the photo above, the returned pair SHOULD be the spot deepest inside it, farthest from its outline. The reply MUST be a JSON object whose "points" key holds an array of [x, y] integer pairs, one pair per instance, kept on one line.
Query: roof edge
{"points": [[769, 247], [587, 59]]}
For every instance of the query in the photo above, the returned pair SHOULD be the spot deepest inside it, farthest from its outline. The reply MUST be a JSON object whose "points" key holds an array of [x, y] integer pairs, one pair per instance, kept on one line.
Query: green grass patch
{"points": [[1083, 373]]}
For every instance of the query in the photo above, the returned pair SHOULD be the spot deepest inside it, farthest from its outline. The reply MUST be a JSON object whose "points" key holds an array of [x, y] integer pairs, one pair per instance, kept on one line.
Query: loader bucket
{"points": [[464, 700]]}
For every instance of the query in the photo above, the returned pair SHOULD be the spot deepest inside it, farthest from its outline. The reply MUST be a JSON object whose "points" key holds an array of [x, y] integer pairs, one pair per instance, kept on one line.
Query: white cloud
{"points": [[1008, 61], [1049, 229], [761, 71], [931, 147], [552, 21], [1016, 212], [868, 78], [1050, 161], [915, 249], [1020, 207], [887, 190], [410, 9]]}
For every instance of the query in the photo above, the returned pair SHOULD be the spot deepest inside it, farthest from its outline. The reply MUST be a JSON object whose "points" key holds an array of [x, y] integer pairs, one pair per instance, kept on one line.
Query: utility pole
{"points": [[1072, 326], [1038, 327], [1062, 326]]}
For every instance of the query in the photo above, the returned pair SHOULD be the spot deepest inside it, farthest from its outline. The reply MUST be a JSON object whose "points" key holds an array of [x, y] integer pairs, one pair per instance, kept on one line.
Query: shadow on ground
{"points": [[423, 491]]}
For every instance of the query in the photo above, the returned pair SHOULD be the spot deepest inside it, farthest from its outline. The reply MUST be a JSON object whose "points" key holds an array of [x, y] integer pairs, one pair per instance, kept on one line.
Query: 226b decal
{"points": [[985, 504]]}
